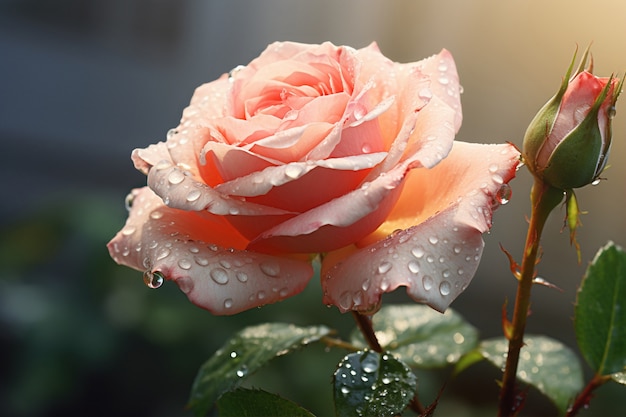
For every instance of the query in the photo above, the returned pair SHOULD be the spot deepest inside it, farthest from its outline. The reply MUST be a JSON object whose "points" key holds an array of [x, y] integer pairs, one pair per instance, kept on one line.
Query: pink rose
{"points": [[316, 149]]}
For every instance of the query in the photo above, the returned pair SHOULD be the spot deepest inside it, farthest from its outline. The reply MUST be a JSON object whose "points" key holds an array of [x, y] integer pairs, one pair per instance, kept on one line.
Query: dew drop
{"points": [[261, 295], [369, 365], [611, 112], [228, 303], [202, 261], [433, 240], [153, 279], [425, 93], [414, 267], [345, 390], [184, 264], [233, 211], [241, 276], [233, 354], [366, 285], [128, 201], [225, 263], [428, 282], [175, 177], [243, 371], [444, 288], [219, 275], [444, 80], [493, 168], [128, 230], [596, 181], [384, 267], [497, 179], [345, 300], [503, 195], [418, 252], [156, 215], [271, 269], [457, 249], [293, 171], [193, 195], [163, 253]]}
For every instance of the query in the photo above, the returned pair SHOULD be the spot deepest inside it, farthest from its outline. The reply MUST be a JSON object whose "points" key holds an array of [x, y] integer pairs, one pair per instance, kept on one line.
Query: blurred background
{"points": [[83, 82]]}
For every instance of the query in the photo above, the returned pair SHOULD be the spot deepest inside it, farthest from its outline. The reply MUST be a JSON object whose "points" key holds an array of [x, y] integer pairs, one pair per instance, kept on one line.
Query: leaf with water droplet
{"points": [[422, 337], [600, 312], [368, 383], [249, 402], [544, 363], [254, 347]]}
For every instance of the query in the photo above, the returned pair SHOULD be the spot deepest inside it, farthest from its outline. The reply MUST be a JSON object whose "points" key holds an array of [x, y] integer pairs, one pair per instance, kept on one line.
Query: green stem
{"points": [[543, 200]]}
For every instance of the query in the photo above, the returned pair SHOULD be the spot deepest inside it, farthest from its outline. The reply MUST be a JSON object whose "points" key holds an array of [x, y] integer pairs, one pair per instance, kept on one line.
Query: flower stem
{"points": [[544, 199], [582, 400], [365, 325]]}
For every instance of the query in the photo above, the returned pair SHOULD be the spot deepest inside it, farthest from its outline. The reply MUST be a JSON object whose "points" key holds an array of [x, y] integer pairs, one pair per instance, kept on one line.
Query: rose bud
{"points": [[567, 143]]}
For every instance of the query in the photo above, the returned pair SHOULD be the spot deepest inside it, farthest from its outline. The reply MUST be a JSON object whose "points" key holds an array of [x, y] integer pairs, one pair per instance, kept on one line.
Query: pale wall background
{"points": [[82, 83]]}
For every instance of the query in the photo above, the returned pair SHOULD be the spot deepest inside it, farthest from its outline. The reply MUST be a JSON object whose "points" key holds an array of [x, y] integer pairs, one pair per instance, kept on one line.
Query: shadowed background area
{"points": [[83, 82]]}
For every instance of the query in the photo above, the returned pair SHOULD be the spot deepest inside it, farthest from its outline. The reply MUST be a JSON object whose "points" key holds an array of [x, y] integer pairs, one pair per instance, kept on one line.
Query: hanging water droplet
{"points": [[128, 201], [504, 193], [611, 111], [233, 73], [219, 275], [345, 300], [596, 181], [153, 279]]}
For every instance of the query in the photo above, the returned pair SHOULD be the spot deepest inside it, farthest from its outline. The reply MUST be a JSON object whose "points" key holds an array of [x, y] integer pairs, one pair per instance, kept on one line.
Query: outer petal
{"points": [[223, 281], [437, 254]]}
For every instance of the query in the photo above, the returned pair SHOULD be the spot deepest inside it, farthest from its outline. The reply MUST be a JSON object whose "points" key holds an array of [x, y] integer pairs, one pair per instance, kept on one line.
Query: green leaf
{"points": [[368, 383], [468, 360], [421, 336], [600, 312], [544, 363], [250, 349], [251, 403]]}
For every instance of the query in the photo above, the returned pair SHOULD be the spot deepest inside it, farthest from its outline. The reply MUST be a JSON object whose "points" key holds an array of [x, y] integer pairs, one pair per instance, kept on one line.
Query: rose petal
{"points": [[261, 182], [223, 281], [181, 191], [443, 212], [338, 222]]}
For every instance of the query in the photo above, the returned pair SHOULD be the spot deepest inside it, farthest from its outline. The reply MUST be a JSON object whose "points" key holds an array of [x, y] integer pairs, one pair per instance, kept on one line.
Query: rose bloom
{"points": [[316, 149]]}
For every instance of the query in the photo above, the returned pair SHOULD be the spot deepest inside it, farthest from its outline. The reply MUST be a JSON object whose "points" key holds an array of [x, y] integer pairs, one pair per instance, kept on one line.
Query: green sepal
{"points": [[573, 219]]}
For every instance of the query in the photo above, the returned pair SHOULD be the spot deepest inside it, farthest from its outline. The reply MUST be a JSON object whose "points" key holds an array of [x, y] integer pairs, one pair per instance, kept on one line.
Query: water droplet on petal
{"points": [[163, 253], [444, 288], [219, 275], [193, 195], [228, 303], [128, 230], [293, 171], [153, 279], [418, 252], [241, 276], [184, 264], [384, 267], [427, 282], [414, 267], [345, 300], [175, 177], [271, 269], [433, 240]]}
